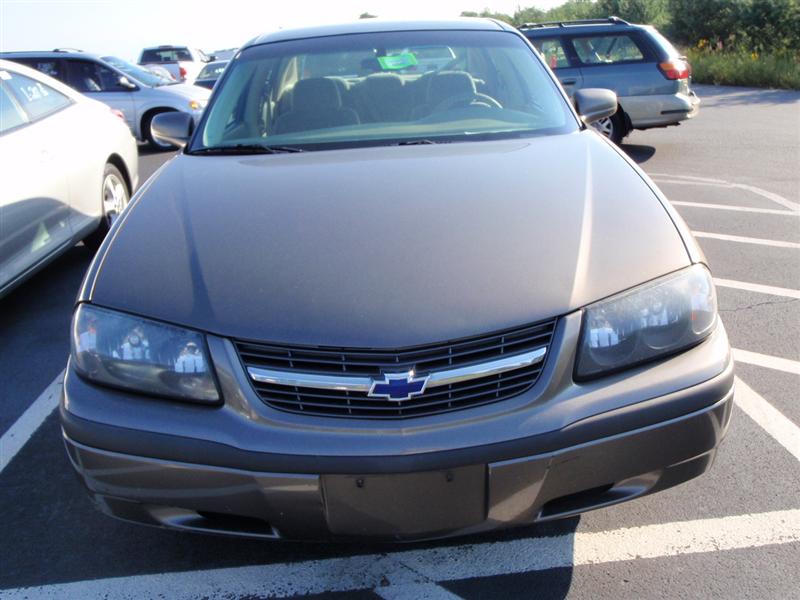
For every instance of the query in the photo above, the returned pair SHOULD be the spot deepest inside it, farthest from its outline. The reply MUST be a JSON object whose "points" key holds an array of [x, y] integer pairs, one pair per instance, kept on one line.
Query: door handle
{"points": [[569, 81]]}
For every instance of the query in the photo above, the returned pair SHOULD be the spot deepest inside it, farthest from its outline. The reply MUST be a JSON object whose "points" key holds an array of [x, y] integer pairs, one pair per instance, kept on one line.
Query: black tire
{"points": [[148, 134], [112, 178], [614, 128]]}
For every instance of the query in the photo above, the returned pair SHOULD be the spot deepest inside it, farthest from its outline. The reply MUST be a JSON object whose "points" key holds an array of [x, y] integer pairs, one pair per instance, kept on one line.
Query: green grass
{"points": [[769, 70]]}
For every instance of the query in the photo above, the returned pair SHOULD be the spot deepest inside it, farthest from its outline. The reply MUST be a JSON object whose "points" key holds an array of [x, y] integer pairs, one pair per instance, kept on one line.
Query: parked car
{"points": [[225, 54], [182, 62], [138, 94], [393, 306], [650, 77], [69, 167], [210, 73]]}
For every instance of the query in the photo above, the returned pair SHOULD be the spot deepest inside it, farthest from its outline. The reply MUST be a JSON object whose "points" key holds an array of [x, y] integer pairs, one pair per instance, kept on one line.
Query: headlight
{"points": [[145, 356], [197, 104], [656, 319]]}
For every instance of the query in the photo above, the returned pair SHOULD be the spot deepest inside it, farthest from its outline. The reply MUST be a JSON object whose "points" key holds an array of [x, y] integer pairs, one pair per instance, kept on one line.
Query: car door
{"points": [[102, 83], [34, 202], [555, 54]]}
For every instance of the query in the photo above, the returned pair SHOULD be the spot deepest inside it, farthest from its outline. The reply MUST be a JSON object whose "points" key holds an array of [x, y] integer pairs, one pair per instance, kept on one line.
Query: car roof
{"points": [[551, 28], [168, 47], [378, 26], [50, 54]]}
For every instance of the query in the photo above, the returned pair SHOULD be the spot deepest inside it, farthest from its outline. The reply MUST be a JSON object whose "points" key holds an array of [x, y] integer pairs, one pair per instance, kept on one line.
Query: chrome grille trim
{"points": [[335, 381], [364, 384]]}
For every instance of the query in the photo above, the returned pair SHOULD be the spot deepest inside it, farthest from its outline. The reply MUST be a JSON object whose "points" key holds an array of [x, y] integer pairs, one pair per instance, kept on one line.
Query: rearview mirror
{"points": [[172, 128], [594, 104]]}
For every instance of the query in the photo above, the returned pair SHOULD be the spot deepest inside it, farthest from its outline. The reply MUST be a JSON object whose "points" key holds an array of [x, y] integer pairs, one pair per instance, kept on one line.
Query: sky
{"points": [[123, 27]]}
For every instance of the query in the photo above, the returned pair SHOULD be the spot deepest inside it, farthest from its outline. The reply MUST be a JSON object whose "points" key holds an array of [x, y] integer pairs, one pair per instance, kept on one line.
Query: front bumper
{"points": [[437, 494]]}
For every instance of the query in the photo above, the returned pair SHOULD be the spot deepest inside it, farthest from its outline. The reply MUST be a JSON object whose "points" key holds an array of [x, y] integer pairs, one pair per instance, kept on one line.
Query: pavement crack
{"points": [[757, 304]]}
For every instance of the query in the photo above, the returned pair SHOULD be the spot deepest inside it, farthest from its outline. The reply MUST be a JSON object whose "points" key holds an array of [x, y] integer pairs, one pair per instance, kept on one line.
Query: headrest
{"points": [[316, 93], [448, 84]]}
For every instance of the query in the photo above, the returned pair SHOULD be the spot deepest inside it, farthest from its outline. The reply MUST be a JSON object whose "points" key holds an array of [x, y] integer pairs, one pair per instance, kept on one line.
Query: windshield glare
{"points": [[373, 89], [139, 74]]}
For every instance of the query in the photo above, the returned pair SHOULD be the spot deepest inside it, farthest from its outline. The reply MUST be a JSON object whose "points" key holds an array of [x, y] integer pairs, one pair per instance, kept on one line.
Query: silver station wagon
{"points": [[650, 77], [383, 297]]}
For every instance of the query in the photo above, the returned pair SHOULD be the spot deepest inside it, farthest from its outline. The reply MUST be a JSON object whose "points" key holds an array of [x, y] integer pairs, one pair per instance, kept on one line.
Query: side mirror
{"points": [[126, 83], [211, 58], [594, 104], [172, 128]]}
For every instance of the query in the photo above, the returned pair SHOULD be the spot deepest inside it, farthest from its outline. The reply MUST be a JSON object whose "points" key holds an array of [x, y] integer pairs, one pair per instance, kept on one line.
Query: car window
{"points": [[606, 49], [157, 55], [50, 67], [553, 52], [89, 76], [138, 73], [11, 116], [376, 89], [36, 99], [212, 71]]}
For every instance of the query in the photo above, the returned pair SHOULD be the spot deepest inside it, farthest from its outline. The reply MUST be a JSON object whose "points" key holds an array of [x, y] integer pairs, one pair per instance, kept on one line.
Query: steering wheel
{"points": [[466, 99]]}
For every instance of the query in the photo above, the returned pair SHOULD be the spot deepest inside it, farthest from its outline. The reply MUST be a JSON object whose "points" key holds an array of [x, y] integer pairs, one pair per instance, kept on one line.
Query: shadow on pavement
{"points": [[722, 96], [638, 152]]}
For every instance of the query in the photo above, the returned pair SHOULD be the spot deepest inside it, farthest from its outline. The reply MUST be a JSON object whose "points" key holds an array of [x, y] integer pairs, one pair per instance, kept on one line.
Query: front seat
{"points": [[443, 86], [316, 104]]}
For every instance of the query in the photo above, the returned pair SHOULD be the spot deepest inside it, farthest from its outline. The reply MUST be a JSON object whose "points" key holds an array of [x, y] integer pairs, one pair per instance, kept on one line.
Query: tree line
{"points": [[715, 25]]}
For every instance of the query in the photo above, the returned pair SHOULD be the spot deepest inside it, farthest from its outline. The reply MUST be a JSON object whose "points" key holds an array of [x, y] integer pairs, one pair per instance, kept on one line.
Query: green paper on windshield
{"points": [[398, 61]]}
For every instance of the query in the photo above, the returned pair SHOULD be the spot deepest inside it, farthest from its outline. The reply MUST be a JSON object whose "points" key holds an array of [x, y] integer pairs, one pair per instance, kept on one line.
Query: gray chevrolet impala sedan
{"points": [[383, 296]]}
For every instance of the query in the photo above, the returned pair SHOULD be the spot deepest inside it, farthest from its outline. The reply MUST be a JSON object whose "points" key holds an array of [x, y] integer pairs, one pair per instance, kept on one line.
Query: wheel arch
{"points": [[149, 114], [117, 161]]}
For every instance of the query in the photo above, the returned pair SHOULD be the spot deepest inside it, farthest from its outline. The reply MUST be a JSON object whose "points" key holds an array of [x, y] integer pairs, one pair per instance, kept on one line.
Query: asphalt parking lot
{"points": [[734, 175]]}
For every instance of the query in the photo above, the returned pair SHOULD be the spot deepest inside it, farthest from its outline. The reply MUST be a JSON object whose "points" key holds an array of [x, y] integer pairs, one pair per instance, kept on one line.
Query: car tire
{"points": [[147, 133], [612, 127], [114, 197]]}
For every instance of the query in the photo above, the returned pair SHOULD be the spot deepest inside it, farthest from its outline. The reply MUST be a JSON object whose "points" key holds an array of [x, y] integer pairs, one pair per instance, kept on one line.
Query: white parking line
{"points": [[769, 418], [23, 428], [745, 240], [690, 180], [418, 570], [757, 287], [748, 209], [765, 360]]}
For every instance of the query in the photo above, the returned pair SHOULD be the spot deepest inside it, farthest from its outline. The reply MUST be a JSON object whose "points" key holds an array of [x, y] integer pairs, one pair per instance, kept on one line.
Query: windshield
{"points": [[384, 88], [139, 74], [212, 70]]}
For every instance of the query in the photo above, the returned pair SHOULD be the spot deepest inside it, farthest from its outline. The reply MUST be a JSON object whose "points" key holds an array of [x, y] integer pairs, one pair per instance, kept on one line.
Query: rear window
{"points": [[11, 116], [36, 99], [161, 55], [607, 49], [663, 43]]}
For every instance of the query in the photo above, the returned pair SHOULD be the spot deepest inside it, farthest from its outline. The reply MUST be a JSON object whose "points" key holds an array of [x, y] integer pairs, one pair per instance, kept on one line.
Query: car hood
{"points": [[390, 246]]}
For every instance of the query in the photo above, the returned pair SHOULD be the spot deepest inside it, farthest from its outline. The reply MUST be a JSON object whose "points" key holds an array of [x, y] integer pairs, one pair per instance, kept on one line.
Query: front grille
{"points": [[373, 362]]}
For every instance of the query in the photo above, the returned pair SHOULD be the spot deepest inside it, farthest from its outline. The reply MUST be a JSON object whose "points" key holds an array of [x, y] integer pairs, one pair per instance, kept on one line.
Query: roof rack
{"points": [[67, 50], [606, 21]]}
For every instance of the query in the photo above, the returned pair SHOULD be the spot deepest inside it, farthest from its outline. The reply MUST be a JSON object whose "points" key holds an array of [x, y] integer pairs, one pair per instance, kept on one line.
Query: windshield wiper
{"points": [[420, 142], [246, 149]]}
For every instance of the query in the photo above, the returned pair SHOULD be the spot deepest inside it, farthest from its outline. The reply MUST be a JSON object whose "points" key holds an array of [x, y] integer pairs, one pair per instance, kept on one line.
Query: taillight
{"points": [[182, 72], [675, 69], [118, 113]]}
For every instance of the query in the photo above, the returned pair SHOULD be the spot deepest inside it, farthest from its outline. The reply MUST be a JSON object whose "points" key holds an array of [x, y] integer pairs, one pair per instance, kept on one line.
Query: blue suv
{"points": [[650, 77]]}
